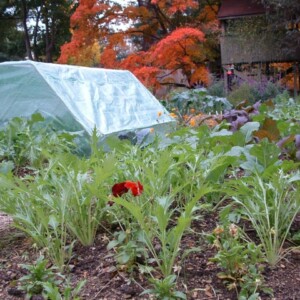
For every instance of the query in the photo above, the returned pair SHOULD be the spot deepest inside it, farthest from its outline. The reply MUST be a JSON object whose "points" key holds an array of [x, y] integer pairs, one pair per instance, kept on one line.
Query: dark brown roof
{"points": [[231, 9]]}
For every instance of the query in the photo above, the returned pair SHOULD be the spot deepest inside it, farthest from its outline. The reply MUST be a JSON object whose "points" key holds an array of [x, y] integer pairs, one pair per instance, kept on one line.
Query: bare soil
{"points": [[198, 277]]}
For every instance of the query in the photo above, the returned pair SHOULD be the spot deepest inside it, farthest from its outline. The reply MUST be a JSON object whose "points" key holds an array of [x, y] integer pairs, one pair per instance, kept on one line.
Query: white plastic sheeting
{"points": [[111, 100]]}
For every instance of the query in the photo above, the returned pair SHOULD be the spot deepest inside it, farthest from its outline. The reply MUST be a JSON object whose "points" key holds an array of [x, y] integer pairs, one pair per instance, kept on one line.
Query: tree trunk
{"points": [[26, 33], [35, 31], [295, 79], [48, 42]]}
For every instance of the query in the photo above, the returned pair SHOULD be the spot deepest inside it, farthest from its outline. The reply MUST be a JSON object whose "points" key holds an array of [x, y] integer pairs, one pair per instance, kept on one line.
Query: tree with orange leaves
{"points": [[160, 38]]}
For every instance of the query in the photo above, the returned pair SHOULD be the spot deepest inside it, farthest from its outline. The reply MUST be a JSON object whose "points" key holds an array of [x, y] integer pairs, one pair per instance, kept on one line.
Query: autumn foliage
{"points": [[154, 39]]}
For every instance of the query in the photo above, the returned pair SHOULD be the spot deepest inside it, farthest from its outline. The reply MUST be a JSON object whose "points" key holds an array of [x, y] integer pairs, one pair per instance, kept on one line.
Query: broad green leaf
{"points": [[239, 150], [123, 258], [53, 222], [248, 129], [132, 208], [295, 177], [121, 236], [6, 167], [266, 153], [219, 167], [37, 117], [112, 244], [179, 295], [222, 132]]}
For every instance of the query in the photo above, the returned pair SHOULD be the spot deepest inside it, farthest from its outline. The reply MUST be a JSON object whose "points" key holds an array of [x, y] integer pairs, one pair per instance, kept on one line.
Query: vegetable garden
{"points": [[210, 211]]}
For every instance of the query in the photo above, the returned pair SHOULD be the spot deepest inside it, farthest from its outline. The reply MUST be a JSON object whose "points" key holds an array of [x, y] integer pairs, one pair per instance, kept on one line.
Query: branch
{"points": [[175, 84], [168, 74], [140, 31], [5, 18], [158, 13], [211, 6]]}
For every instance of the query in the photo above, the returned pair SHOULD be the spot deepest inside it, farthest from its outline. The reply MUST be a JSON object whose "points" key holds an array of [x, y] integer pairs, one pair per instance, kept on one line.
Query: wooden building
{"points": [[248, 39]]}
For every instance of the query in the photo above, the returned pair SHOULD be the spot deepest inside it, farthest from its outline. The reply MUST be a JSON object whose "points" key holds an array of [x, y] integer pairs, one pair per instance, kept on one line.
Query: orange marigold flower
{"points": [[173, 115], [193, 122], [218, 230], [211, 123], [151, 130], [192, 110], [159, 113]]}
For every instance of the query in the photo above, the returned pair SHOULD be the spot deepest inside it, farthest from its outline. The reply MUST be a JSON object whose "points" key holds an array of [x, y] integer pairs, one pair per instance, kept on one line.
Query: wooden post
{"points": [[268, 70], [225, 81], [295, 79], [298, 64]]}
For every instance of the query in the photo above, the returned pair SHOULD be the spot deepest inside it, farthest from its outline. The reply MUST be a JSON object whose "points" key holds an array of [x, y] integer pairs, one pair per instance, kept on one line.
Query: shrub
{"points": [[217, 88], [254, 91], [243, 92], [197, 100]]}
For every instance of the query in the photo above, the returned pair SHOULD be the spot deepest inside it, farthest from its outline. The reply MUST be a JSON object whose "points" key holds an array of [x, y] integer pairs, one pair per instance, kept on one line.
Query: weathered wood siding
{"points": [[258, 48]]}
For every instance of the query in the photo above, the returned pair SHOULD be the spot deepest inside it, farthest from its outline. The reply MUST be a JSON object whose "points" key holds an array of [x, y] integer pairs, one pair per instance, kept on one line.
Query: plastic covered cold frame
{"points": [[80, 98]]}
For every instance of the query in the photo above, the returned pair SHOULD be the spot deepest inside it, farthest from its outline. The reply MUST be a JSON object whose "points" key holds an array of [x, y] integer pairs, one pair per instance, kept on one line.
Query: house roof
{"points": [[231, 9]]}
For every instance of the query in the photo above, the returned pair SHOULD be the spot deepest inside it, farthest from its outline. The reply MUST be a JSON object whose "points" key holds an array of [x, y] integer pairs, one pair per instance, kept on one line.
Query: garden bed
{"points": [[205, 213], [198, 276]]}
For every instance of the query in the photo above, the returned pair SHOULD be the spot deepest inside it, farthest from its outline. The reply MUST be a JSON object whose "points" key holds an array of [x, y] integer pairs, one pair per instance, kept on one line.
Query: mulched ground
{"points": [[198, 277]]}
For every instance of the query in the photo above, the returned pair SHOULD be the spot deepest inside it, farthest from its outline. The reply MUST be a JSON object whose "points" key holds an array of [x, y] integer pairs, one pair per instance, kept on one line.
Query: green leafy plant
{"points": [[66, 292], [241, 261], [31, 141], [38, 213], [217, 88], [198, 100], [253, 91], [295, 237], [66, 200], [261, 156], [38, 275], [47, 282], [271, 203], [165, 289], [129, 249], [241, 93], [83, 187], [155, 225]]}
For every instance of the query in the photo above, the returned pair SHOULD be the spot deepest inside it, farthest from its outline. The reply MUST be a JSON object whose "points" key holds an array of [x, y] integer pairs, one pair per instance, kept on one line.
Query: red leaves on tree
{"points": [[176, 6], [108, 58], [84, 48], [177, 47], [141, 38]]}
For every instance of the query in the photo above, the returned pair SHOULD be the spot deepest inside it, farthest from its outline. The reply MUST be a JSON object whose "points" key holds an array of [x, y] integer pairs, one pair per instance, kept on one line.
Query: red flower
{"points": [[135, 187], [119, 189], [123, 187]]}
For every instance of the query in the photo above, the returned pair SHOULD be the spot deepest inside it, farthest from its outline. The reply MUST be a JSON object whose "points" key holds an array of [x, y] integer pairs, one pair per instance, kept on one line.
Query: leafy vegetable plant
{"points": [[240, 261], [155, 225], [271, 203], [46, 282], [31, 141], [38, 275]]}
